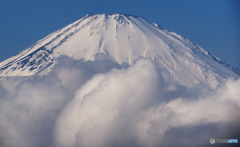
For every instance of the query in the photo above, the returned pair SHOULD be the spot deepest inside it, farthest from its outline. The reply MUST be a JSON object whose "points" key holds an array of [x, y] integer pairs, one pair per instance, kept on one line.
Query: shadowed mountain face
{"points": [[122, 39]]}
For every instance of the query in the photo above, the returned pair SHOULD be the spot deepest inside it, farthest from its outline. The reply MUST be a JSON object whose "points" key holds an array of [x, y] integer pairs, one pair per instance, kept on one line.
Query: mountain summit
{"points": [[122, 39]]}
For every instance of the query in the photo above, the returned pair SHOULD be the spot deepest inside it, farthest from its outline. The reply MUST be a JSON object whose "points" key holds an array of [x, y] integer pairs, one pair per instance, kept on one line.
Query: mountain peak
{"points": [[123, 39], [119, 17], [88, 15]]}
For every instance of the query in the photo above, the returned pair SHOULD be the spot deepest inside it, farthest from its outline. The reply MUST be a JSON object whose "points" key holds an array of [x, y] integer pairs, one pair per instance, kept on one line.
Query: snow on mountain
{"points": [[122, 39]]}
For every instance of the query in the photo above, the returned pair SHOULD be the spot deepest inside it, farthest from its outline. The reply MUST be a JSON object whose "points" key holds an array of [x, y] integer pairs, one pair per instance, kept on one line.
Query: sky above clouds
{"points": [[214, 25]]}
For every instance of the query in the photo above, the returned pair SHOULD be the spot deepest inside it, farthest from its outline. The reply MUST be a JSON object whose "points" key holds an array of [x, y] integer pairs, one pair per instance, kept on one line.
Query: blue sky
{"points": [[212, 24]]}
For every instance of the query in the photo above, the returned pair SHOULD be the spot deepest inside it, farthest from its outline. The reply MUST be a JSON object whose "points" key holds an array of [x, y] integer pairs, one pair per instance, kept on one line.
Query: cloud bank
{"points": [[104, 104]]}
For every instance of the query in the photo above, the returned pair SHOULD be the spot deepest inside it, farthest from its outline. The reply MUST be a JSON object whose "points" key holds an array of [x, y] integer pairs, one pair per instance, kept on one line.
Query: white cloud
{"points": [[101, 103], [30, 114], [102, 110], [219, 106]]}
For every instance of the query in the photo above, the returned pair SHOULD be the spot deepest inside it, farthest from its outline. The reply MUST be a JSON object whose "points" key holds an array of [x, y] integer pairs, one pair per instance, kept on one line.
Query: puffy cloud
{"points": [[27, 118], [29, 106], [102, 110], [103, 104], [218, 107], [129, 107]]}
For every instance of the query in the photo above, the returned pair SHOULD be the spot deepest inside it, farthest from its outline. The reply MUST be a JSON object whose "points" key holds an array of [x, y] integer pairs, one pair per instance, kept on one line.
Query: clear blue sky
{"points": [[212, 24]]}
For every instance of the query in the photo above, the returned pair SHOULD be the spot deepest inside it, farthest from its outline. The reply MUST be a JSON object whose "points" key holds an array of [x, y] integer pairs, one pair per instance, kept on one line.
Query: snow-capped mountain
{"points": [[122, 39]]}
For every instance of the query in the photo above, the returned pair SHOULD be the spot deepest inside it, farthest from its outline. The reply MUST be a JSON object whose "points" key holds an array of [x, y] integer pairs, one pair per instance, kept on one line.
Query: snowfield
{"points": [[122, 39], [117, 81]]}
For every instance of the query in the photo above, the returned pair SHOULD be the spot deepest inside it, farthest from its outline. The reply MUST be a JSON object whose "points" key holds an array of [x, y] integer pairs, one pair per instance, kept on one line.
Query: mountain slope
{"points": [[123, 39]]}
